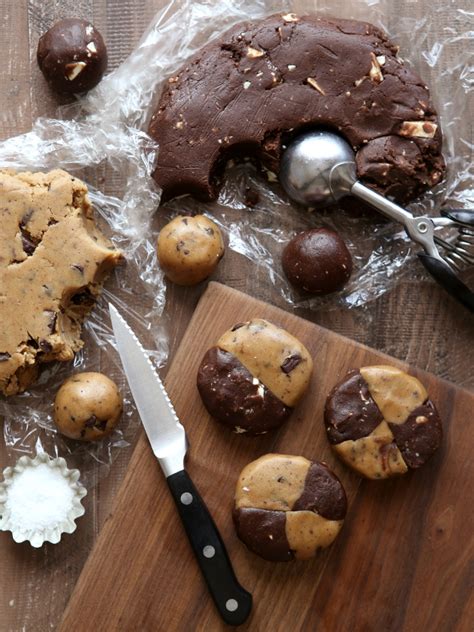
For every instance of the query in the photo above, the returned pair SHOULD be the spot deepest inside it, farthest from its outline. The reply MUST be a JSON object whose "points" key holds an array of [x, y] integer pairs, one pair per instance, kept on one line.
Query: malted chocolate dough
{"points": [[380, 421], [53, 260], [245, 92], [72, 56], [233, 396], [254, 376], [288, 507], [317, 261], [87, 407], [420, 435], [350, 411]]}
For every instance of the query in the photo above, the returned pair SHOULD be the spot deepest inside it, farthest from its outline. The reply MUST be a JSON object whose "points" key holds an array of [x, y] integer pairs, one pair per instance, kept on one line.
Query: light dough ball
{"points": [[189, 249], [87, 407]]}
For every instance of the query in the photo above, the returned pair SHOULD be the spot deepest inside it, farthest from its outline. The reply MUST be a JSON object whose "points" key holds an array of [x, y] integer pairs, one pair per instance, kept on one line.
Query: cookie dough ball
{"points": [[87, 407], [381, 422], [287, 507], [317, 261], [189, 249], [72, 56], [254, 377]]}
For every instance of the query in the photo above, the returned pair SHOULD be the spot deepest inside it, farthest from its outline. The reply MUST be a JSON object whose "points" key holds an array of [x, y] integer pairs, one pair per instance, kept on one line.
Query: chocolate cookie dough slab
{"points": [[241, 92], [375, 576]]}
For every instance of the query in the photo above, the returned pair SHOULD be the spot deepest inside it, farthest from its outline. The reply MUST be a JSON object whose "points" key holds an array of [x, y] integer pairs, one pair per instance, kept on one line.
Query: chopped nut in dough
{"points": [[314, 84], [252, 53], [75, 69], [418, 129], [290, 17], [375, 72]]}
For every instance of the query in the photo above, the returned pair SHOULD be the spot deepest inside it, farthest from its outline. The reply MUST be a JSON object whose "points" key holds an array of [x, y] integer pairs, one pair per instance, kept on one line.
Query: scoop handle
{"points": [[443, 275]]}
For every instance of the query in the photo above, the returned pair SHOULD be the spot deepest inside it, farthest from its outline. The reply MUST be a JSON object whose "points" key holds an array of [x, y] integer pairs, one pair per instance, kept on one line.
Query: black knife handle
{"points": [[448, 279], [233, 602]]}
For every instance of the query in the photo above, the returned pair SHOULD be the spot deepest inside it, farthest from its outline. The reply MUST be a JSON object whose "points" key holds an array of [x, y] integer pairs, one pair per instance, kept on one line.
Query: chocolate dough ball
{"points": [[254, 377], [380, 421], [72, 56], [87, 407], [287, 507], [317, 261], [189, 249]]}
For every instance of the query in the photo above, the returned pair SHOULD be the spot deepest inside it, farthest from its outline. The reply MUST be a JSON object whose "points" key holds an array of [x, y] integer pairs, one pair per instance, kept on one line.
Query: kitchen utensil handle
{"points": [[448, 279], [461, 215], [233, 602], [382, 204]]}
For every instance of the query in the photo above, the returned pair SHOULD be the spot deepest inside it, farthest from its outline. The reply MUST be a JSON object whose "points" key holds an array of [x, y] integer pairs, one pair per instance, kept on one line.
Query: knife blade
{"points": [[168, 440]]}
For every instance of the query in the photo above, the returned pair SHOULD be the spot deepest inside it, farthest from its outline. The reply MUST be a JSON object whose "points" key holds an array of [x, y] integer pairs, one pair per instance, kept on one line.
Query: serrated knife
{"points": [[169, 444]]}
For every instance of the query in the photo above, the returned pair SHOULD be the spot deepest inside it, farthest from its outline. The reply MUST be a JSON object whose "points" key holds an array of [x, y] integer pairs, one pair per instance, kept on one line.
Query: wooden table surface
{"points": [[415, 322]]}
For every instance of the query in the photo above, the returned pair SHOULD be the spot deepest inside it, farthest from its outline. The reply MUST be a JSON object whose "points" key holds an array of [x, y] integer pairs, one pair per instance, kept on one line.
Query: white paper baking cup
{"points": [[37, 537]]}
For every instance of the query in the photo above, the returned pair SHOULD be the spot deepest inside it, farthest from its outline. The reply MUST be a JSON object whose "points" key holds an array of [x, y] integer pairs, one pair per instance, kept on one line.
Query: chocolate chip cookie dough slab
{"points": [[400, 541], [53, 260]]}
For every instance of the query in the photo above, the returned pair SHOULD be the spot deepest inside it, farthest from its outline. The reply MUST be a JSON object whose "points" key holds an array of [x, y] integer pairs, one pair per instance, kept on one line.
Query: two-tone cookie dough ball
{"points": [[72, 56], [288, 507], [380, 421], [254, 376], [87, 407], [189, 249]]}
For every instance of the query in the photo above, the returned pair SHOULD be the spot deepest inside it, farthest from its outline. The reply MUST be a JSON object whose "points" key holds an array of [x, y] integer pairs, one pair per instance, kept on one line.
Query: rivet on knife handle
{"points": [[233, 602]]}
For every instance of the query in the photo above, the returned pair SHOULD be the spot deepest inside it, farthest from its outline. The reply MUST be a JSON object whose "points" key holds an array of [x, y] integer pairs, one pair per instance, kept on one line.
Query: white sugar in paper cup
{"points": [[30, 528]]}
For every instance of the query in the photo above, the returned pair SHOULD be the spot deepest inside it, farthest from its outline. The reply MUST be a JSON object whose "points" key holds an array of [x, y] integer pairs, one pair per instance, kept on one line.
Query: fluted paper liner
{"points": [[37, 537]]}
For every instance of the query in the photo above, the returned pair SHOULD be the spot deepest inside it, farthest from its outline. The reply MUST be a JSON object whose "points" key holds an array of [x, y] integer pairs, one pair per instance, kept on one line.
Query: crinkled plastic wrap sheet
{"points": [[382, 252], [107, 127], [136, 288]]}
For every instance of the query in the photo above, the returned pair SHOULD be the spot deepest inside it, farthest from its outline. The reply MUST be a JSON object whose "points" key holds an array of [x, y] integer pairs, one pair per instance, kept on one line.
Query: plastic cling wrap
{"points": [[105, 133], [382, 252]]}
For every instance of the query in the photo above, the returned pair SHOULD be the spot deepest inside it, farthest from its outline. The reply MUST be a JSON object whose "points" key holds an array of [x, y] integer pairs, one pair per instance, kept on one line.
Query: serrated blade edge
{"points": [[163, 428]]}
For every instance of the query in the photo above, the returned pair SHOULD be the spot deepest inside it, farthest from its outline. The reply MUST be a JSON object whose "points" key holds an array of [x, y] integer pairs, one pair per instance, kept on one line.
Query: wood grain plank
{"points": [[15, 102], [416, 321], [375, 577]]}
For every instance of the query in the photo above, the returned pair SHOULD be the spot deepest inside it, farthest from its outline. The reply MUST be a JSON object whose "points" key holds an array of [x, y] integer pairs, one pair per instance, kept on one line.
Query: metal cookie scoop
{"points": [[318, 169]]}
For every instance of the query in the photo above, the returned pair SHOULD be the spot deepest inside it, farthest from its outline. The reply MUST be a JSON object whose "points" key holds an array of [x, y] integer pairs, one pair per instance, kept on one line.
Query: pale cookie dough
{"points": [[288, 507], [373, 456], [278, 359], [87, 407], [53, 260], [189, 249], [381, 422], [254, 376]]}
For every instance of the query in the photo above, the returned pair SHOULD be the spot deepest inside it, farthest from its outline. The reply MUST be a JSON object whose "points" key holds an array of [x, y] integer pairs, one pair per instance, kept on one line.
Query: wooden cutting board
{"points": [[401, 561]]}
